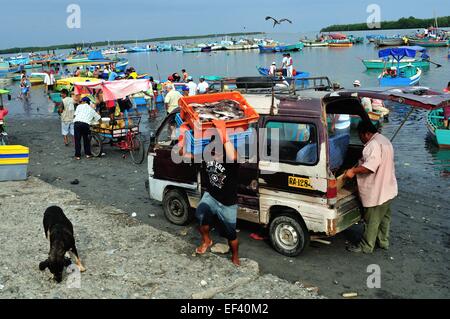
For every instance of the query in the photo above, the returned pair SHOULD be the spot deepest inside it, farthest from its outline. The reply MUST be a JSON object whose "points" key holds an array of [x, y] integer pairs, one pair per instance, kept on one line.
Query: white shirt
{"points": [[192, 88], [290, 63], [202, 87], [49, 79], [272, 69], [86, 114], [284, 62], [69, 109]]}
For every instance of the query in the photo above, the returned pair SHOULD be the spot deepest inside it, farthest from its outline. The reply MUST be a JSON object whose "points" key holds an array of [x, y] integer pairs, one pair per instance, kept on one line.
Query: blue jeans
{"points": [[209, 208]]}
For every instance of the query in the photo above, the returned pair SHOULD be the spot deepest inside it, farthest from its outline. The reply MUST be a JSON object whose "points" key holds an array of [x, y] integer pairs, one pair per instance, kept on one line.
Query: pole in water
{"points": [[401, 125], [159, 75]]}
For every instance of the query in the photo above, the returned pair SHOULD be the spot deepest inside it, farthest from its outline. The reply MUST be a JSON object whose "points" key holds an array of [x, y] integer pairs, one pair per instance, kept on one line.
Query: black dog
{"points": [[59, 231]]}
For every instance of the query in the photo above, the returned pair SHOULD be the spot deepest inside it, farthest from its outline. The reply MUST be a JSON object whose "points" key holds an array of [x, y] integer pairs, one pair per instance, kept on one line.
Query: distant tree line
{"points": [[121, 42], [402, 23]]}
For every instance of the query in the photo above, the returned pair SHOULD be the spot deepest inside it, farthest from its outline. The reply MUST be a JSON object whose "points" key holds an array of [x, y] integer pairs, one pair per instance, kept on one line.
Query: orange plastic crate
{"points": [[189, 115]]}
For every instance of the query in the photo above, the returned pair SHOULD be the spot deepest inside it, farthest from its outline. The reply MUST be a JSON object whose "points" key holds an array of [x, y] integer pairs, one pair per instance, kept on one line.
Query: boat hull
{"points": [[400, 81], [389, 42], [281, 48], [429, 43], [435, 124], [380, 64]]}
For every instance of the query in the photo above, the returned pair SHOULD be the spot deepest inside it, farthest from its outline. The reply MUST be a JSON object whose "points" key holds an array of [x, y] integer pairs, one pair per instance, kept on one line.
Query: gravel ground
{"points": [[123, 257]]}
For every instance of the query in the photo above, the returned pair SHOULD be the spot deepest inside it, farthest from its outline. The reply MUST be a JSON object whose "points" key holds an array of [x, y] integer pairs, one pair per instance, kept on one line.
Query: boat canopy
{"points": [[113, 90], [3, 92], [397, 53]]}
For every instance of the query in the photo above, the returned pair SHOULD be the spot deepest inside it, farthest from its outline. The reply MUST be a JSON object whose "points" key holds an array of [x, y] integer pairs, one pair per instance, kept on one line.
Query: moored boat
{"points": [[429, 42], [435, 124], [381, 64], [315, 44], [191, 49], [402, 76], [280, 48], [393, 42], [340, 44]]}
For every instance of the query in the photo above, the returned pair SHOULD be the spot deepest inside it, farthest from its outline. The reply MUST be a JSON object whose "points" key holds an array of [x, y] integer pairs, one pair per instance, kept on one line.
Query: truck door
{"points": [[164, 166], [248, 200], [292, 161]]}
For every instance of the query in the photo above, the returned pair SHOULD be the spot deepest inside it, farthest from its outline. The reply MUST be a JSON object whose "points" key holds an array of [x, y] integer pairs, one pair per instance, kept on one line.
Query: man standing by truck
{"points": [[377, 187], [218, 206]]}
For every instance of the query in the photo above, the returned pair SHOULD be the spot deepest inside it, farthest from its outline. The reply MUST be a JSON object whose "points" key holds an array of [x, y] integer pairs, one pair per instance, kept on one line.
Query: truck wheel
{"points": [[288, 235], [176, 207]]}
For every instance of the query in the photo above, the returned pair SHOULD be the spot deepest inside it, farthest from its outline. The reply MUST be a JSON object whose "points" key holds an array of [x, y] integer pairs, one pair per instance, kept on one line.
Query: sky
{"points": [[43, 22]]}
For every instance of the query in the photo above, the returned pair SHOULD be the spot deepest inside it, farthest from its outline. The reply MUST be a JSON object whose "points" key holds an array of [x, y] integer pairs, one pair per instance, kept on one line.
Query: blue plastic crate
{"points": [[196, 146]]}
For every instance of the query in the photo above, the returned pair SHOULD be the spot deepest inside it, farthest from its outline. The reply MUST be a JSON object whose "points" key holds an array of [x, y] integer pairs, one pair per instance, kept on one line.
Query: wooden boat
{"points": [[205, 49], [435, 124], [356, 40], [315, 44], [191, 49], [404, 76], [340, 44], [387, 62], [299, 77], [429, 42], [389, 42], [381, 64], [280, 48]]}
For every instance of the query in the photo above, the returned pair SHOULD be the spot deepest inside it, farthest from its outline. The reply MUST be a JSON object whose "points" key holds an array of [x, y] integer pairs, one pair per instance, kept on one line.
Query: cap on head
{"points": [[86, 99], [273, 63], [356, 83], [190, 78]]}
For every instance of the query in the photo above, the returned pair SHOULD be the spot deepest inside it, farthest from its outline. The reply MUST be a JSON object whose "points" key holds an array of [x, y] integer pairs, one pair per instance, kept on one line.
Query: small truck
{"points": [[301, 194]]}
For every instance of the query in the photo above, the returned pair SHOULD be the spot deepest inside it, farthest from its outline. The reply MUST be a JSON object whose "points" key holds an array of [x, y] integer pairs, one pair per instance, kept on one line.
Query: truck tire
{"points": [[176, 207], [288, 235]]}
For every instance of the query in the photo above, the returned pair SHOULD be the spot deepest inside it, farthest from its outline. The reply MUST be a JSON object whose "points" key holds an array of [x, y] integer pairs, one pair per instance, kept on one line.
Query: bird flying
{"points": [[275, 21]]}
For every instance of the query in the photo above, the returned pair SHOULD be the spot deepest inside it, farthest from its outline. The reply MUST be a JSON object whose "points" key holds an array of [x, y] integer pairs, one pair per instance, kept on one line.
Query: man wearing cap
{"points": [[284, 63], [203, 86], [356, 83], [84, 116], [192, 86], [273, 69], [172, 97]]}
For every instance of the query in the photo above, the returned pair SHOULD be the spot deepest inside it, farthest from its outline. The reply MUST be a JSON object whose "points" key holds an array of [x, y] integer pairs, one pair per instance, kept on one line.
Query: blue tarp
{"points": [[96, 55]]}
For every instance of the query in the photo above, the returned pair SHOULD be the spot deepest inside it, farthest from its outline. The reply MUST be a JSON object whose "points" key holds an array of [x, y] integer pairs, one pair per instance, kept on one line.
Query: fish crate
{"points": [[196, 145], [189, 115], [13, 162]]}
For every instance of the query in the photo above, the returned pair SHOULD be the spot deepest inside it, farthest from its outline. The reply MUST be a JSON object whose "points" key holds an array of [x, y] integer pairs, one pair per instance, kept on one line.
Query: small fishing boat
{"points": [[435, 124], [356, 40], [191, 49], [299, 76], [399, 75], [206, 49], [389, 42], [373, 37], [315, 44], [429, 42], [423, 62], [340, 43], [121, 65], [280, 48]]}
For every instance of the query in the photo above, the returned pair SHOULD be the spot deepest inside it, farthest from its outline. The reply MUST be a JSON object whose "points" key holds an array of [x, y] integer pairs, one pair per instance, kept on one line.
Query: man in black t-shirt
{"points": [[219, 202]]}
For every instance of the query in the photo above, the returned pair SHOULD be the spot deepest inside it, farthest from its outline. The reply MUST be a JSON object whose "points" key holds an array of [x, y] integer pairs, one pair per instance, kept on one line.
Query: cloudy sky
{"points": [[43, 22]]}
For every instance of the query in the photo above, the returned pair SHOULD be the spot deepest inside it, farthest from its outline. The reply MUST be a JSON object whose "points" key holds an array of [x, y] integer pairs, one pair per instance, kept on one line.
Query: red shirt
{"points": [[3, 113]]}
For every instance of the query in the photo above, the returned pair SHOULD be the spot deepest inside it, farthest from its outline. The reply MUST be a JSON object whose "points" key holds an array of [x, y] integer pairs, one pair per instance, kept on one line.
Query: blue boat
{"points": [[121, 65], [137, 49], [299, 77], [400, 75], [280, 48]]}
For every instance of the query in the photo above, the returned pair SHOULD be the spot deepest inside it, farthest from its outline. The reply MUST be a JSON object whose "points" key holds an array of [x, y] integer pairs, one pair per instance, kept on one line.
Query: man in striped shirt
{"points": [[84, 116]]}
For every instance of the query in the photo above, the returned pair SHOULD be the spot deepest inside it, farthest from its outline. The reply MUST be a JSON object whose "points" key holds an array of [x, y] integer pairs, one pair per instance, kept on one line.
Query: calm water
{"points": [[413, 146]]}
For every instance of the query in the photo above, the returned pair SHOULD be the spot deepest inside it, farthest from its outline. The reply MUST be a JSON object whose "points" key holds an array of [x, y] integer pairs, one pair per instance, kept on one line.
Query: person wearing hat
{"points": [[192, 86], [83, 117], [356, 83], [273, 69], [203, 86]]}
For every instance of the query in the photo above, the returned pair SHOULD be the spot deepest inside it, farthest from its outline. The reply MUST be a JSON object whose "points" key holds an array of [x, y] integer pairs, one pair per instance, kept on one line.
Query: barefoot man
{"points": [[218, 205]]}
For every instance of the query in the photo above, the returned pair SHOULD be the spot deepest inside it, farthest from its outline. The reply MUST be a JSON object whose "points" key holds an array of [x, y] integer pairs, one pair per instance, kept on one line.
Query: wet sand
{"points": [[416, 266]]}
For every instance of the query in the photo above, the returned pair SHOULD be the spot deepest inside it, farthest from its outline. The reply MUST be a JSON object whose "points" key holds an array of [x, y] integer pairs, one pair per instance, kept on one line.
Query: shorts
{"points": [[67, 128], [210, 210]]}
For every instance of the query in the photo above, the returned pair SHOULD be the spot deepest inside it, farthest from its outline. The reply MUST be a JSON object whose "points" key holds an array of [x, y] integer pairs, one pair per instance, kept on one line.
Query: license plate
{"points": [[299, 182]]}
